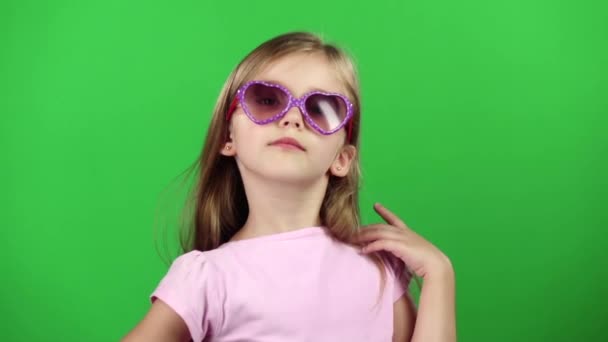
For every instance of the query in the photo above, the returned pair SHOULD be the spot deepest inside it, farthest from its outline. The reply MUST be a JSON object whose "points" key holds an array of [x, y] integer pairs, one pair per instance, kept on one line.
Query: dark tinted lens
{"points": [[327, 111], [264, 102]]}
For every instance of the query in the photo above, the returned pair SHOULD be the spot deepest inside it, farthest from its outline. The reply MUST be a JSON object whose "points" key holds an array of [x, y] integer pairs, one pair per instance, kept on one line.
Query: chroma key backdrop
{"points": [[484, 127]]}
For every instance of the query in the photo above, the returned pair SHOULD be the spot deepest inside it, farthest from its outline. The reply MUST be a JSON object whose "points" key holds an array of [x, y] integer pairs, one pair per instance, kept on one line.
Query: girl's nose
{"points": [[292, 117]]}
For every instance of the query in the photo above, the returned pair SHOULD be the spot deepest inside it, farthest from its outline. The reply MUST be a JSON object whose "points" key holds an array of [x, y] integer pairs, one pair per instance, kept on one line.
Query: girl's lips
{"points": [[288, 143], [288, 146]]}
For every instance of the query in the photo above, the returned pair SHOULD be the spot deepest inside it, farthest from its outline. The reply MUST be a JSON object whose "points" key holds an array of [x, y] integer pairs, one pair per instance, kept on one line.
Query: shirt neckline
{"points": [[291, 234]]}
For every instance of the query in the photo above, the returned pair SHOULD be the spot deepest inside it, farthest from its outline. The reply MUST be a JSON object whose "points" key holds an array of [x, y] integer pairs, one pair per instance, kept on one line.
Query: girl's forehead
{"points": [[301, 73]]}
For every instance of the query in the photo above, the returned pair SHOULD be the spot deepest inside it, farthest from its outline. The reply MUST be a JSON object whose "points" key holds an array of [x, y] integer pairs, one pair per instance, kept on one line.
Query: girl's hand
{"points": [[419, 255]]}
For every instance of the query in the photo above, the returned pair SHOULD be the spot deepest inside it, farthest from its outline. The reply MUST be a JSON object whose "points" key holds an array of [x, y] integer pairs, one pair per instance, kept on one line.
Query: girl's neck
{"points": [[276, 208]]}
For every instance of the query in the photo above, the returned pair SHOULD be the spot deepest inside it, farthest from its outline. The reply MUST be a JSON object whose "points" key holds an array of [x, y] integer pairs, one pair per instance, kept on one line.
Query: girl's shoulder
{"points": [[191, 283], [193, 271], [195, 261]]}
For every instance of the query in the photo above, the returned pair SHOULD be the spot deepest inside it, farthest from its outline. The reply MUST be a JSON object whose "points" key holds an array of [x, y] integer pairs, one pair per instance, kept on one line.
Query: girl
{"points": [[276, 251]]}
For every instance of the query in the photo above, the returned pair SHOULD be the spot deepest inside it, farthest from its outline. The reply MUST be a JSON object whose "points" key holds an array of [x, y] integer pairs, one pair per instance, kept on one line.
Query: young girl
{"points": [[277, 252]]}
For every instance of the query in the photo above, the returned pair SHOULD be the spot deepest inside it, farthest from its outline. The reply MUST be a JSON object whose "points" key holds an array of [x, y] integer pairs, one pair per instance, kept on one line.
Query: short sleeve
{"points": [[399, 274], [189, 288]]}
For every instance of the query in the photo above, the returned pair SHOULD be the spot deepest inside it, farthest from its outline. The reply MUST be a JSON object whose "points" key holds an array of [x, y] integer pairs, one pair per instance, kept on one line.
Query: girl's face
{"points": [[255, 147]]}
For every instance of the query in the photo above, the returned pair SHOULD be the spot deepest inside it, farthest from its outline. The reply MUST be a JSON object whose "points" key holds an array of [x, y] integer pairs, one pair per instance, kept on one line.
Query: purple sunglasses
{"points": [[265, 102]]}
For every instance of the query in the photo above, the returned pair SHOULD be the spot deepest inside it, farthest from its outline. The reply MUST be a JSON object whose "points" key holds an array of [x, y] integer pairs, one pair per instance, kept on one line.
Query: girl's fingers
{"points": [[388, 216], [380, 227], [371, 234], [382, 245]]}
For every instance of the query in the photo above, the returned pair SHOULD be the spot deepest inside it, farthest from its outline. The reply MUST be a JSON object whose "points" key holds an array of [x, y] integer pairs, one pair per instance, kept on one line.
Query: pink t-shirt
{"points": [[300, 285]]}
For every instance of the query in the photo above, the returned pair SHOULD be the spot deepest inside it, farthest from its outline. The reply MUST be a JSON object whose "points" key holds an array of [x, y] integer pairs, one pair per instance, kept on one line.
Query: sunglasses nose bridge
{"points": [[296, 103], [287, 117]]}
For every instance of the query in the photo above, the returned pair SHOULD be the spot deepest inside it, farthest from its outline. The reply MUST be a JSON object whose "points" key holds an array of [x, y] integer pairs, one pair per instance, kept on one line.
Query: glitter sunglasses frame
{"points": [[292, 102]]}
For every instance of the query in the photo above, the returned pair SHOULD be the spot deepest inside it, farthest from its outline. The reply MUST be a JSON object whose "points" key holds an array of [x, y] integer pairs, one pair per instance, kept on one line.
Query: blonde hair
{"points": [[217, 207]]}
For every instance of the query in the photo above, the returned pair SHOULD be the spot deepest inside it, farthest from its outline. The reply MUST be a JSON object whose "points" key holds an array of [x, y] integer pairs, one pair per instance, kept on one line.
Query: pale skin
{"points": [[436, 318], [285, 192]]}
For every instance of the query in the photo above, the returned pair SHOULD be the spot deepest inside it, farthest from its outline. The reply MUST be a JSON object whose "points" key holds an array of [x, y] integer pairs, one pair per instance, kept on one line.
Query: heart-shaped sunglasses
{"points": [[265, 102]]}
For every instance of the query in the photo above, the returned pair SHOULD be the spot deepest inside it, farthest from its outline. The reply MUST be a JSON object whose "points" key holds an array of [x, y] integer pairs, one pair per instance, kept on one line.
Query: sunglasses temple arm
{"points": [[231, 108], [228, 115]]}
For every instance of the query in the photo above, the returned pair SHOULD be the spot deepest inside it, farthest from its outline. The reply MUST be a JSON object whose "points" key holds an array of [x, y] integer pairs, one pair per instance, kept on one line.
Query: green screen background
{"points": [[484, 128]]}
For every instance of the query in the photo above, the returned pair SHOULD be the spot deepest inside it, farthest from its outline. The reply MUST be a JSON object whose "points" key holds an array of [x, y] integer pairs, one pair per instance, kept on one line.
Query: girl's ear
{"points": [[228, 149], [343, 161]]}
